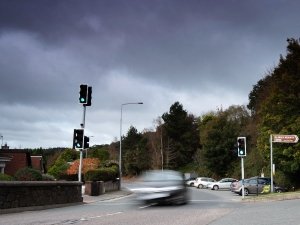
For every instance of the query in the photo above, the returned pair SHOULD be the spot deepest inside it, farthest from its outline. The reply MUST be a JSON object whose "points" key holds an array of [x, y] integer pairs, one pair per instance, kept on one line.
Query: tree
{"points": [[135, 152], [61, 164], [182, 134], [218, 135], [276, 103]]}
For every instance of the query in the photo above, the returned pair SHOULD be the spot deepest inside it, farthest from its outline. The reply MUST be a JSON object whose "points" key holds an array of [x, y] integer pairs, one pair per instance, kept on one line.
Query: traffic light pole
{"points": [[81, 150], [243, 177]]}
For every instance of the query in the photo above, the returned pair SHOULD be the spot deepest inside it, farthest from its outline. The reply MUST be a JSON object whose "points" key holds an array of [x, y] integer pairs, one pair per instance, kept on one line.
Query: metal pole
{"points": [[81, 150], [271, 159], [120, 153], [2, 141], [161, 149], [243, 176]]}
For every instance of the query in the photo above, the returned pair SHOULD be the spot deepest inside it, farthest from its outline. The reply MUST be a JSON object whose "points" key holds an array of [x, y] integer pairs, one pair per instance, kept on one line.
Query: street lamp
{"points": [[2, 141], [120, 154]]}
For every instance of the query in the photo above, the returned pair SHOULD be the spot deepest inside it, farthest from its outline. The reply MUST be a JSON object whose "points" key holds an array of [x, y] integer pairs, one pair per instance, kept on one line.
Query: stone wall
{"points": [[15, 194], [95, 188]]}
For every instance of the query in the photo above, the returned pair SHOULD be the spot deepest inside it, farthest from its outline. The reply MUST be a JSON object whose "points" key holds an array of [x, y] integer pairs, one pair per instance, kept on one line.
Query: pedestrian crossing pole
{"points": [[81, 150]]}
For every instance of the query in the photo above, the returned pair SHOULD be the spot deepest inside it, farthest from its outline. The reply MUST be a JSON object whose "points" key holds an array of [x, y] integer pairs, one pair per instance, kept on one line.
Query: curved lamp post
{"points": [[2, 141], [120, 153]]}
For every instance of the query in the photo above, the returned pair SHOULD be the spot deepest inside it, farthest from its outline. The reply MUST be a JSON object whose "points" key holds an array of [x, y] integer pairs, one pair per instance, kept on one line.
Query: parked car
{"points": [[165, 186], [190, 182], [221, 184], [255, 185], [203, 182]]}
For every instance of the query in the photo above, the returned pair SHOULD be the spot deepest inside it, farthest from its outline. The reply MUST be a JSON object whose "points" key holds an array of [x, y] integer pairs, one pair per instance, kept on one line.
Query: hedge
{"points": [[102, 174]]}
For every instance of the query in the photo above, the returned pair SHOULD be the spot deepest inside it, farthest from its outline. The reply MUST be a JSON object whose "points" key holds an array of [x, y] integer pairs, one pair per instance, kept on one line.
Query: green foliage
{"points": [[47, 177], [182, 136], [102, 174], [28, 174], [110, 163], [69, 177], [5, 177], [61, 164], [276, 103], [59, 168], [218, 133], [99, 152], [136, 156]]}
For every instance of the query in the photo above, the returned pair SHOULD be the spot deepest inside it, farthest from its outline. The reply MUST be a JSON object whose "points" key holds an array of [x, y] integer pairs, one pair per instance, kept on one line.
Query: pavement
{"points": [[106, 196]]}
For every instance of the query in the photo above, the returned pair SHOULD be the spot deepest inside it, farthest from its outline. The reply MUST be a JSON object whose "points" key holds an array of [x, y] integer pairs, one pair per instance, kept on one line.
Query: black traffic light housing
{"points": [[78, 138], [83, 94], [86, 142], [241, 142], [89, 97]]}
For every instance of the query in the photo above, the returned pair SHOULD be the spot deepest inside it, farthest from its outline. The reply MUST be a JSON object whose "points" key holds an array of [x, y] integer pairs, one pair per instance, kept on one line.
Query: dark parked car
{"points": [[255, 185], [165, 186]]}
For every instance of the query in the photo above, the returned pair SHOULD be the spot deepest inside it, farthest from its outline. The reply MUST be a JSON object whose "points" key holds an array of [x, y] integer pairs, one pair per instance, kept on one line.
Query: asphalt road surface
{"points": [[205, 207]]}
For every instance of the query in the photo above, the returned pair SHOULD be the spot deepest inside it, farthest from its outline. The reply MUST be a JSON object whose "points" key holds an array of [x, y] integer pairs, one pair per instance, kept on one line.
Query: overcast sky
{"points": [[205, 54]]}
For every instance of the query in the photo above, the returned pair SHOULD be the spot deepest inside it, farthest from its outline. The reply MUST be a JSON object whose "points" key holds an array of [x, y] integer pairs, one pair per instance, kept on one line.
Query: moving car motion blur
{"points": [[165, 186]]}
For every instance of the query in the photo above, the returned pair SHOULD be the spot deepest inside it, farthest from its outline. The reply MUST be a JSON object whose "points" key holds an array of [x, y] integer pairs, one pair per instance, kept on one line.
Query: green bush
{"points": [[5, 177], [58, 169], [102, 174], [69, 177], [48, 177], [28, 174], [61, 164]]}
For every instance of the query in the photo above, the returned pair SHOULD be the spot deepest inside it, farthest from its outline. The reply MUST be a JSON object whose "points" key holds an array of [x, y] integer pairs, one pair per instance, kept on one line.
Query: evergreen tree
{"points": [[182, 135]]}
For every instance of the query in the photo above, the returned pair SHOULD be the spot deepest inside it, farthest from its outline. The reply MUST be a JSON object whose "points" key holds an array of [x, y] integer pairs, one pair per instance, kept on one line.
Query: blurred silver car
{"points": [[167, 186]]}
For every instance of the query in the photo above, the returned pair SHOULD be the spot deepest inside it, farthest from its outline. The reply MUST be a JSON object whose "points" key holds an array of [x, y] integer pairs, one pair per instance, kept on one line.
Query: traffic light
{"points": [[89, 97], [241, 142], [78, 139], [86, 142], [83, 94]]}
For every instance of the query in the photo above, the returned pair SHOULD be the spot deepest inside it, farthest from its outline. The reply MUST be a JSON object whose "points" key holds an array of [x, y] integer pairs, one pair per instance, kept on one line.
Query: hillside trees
{"points": [[135, 153], [182, 136], [275, 102], [218, 135]]}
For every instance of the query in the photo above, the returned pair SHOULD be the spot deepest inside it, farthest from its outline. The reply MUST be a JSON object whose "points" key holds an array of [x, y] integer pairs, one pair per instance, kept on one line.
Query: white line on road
{"points": [[100, 216]]}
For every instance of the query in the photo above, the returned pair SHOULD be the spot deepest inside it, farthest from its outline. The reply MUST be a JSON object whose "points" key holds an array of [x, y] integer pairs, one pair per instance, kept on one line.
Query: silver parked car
{"points": [[221, 184], [203, 182]]}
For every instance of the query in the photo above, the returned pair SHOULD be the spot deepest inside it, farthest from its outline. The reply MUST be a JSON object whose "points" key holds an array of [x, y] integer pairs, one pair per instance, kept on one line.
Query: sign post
{"points": [[279, 138]]}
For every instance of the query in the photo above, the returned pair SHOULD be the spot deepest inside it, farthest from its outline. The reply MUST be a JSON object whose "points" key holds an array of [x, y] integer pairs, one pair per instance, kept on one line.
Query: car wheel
{"points": [[191, 184], [278, 191], [183, 199], [215, 187], [246, 192], [200, 186]]}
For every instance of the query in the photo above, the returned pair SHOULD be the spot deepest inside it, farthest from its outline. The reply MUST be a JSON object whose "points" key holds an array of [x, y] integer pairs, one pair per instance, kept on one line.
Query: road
{"points": [[205, 207]]}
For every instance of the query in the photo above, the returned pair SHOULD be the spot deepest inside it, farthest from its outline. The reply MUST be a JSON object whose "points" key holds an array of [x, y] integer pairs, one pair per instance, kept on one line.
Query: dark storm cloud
{"points": [[163, 40]]}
